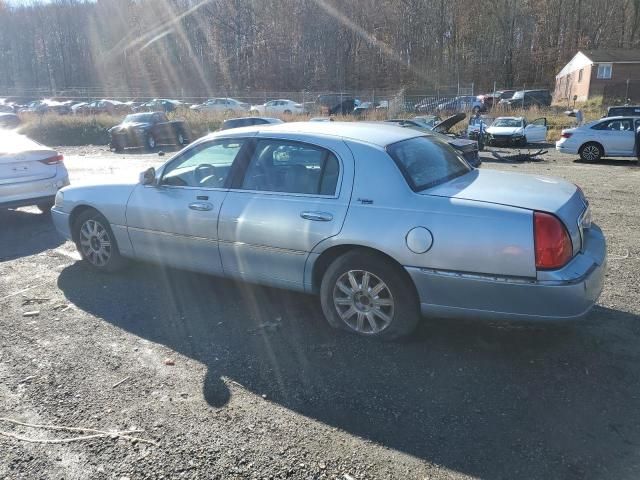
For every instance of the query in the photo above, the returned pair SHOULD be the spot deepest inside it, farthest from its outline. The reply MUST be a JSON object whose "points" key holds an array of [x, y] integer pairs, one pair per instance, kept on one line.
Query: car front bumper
{"points": [[61, 222], [565, 294]]}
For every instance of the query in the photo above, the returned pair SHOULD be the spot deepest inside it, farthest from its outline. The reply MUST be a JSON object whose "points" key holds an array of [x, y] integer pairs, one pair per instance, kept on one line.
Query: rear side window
{"points": [[292, 167], [427, 162]]}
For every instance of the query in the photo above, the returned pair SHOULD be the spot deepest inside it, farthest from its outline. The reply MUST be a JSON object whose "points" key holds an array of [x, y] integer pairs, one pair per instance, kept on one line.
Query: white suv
{"points": [[30, 173]]}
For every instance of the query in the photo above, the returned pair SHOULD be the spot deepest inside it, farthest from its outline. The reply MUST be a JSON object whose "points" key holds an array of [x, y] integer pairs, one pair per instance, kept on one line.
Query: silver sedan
{"points": [[384, 223]]}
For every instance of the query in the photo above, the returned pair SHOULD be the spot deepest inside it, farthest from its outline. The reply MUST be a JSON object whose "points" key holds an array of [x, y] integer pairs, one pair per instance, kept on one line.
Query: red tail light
{"points": [[552, 243], [54, 160], [566, 134]]}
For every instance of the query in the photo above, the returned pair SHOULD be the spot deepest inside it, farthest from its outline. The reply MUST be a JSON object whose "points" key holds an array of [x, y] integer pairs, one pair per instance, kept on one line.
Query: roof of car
{"points": [[381, 134]]}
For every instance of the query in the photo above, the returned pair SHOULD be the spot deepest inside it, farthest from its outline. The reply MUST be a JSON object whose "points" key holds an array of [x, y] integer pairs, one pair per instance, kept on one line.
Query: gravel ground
{"points": [[237, 381]]}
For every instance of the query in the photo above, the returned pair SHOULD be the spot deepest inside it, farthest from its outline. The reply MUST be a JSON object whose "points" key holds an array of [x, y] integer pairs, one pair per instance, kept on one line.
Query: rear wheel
{"points": [[287, 112], [591, 152], [367, 294], [96, 243]]}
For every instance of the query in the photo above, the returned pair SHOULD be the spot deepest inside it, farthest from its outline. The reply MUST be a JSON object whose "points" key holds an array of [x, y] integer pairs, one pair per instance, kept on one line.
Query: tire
{"points": [[45, 207], [150, 142], [523, 142], [590, 152], [396, 315], [96, 243], [180, 139], [116, 147], [287, 112]]}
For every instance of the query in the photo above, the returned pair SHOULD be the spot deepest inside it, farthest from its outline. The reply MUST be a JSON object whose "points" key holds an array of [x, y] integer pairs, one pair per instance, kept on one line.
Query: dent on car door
{"points": [[292, 195], [176, 221]]}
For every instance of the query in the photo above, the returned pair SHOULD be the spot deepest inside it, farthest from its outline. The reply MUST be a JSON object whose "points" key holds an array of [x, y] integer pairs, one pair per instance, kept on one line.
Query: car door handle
{"points": [[317, 216], [201, 206]]}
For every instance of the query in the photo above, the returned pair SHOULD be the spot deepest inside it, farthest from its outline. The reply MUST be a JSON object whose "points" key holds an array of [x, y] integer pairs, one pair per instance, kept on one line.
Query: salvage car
{"points": [[9, 120], [282, 106], [226, 106], [467, 148], [30, 173], [607, 137], [148, 130], [396, 224], [516, 131], [527, 99], [160, 104]]}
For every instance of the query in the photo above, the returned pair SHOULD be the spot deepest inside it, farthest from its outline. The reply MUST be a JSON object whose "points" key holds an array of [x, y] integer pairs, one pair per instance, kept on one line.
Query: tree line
{"points": [[196, 47]]}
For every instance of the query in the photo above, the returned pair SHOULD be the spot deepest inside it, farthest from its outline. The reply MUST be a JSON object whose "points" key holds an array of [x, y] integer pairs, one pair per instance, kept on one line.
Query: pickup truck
{"points": [[148, 130]]}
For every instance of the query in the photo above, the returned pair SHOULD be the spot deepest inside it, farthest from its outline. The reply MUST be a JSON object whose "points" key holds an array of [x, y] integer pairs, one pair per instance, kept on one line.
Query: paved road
{"points": [[260, 387]]}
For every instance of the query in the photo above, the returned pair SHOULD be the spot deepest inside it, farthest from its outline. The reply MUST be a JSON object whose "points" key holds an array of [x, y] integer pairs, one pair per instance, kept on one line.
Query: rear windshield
{"points": [[427, 162]]}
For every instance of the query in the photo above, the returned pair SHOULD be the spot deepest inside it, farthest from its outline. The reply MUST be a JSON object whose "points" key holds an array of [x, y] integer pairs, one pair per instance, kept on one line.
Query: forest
{"points": [[190, 47]]}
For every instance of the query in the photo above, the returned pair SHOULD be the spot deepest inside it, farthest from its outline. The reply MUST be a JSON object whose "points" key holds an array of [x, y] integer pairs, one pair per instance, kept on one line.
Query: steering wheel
{"points": [[203, 172]]}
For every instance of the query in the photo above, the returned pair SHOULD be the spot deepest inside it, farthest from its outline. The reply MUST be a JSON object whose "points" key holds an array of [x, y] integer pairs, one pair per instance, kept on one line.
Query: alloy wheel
{"points": [[363, 302], [591, 152], [95, 243]]}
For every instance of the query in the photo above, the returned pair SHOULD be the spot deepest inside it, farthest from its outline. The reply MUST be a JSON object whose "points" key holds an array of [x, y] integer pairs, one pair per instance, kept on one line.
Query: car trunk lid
{"points": [[21, 159], [532, 192]]}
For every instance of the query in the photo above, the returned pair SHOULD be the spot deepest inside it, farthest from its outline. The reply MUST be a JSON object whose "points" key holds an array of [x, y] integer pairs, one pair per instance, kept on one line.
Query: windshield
{"points": [[138, 117], [427, 162], [507, 122]]}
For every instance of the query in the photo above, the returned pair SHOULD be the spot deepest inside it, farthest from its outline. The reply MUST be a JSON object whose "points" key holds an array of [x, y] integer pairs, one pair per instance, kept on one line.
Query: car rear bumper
{"points": [[568, 296], [21, 194], [565, 149]]}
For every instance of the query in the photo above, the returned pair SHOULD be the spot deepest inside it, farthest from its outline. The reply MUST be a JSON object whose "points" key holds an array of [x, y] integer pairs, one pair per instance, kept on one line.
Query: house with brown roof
{"points": [[609, 73]]}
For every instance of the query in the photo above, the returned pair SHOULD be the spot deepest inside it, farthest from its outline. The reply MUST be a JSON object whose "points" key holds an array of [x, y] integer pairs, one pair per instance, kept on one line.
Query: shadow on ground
{"points": [[629, 162], [553, 402], [25, 232]]}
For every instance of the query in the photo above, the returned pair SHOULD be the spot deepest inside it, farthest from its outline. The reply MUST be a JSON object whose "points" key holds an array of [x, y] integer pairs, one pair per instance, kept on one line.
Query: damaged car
{"points": [[431, 125]]}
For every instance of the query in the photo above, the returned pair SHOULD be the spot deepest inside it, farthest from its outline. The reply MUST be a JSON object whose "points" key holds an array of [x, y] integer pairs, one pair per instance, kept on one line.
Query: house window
{"points": [[604, 70], [580, 75]]}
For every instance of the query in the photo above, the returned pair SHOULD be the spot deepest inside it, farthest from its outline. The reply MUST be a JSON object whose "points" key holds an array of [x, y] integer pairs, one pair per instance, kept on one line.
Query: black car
{"points": [[336, 104], [148, 130], [624, 111], [528, 98], [247, 122]]}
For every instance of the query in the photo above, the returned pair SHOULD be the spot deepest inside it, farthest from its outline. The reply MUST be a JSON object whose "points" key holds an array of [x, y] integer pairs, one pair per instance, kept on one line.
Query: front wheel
{"points": [[367, 294], [590, 152], [150, 142], [96, 243]]}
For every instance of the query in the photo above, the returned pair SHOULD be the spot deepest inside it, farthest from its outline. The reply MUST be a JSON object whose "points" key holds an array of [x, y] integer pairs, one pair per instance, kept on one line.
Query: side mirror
{"points": [[148, 177]]}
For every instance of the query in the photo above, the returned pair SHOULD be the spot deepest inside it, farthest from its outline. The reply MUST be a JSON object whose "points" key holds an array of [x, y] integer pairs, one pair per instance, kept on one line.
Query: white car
{"points": [[222, 105], [516, 131], [607, 137], [30, 173], [283, 106]]}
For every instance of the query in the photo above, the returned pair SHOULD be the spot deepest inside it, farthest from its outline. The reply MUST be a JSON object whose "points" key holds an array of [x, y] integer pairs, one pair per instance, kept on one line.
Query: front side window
{"points": [[604, 70], [427, 162], [205, 166], [292, 167]]}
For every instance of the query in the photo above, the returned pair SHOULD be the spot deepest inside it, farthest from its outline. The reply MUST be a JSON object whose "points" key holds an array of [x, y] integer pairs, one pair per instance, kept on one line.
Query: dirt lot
{"points": [[260, 387]]}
